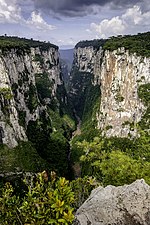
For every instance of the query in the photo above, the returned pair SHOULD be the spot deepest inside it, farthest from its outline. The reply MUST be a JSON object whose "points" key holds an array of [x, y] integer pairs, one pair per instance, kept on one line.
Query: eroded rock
{"points": [[123, 205]]}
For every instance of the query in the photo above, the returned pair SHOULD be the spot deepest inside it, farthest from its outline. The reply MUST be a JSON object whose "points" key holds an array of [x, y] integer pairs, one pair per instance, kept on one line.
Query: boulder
{"points": [[122, 205]]}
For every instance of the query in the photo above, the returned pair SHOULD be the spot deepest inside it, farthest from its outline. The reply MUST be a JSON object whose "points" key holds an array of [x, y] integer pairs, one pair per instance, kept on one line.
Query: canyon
{"points": [[105, 88]]}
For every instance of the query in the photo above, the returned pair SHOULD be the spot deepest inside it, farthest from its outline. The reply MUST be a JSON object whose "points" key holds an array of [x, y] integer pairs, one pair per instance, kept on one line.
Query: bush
{"points": [[45, 202]]}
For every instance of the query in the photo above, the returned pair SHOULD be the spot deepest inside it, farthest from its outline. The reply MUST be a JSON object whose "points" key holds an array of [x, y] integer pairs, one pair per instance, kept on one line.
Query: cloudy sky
{"points": [[65, 22]]}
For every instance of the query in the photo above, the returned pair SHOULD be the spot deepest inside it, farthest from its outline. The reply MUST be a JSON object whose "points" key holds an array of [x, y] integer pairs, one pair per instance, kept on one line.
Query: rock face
{"points": [[123, 205], [84, 79], [119, 74], [88, 60], [22, 74]]}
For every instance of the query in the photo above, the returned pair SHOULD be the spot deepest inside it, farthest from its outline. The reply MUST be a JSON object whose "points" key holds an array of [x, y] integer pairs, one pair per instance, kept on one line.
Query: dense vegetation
{"points": [[79, 82], [50, 136], [139, 44], [116, 161], [85, 99], [22, 158], [144, 95], [8, 42], [44, 200]]}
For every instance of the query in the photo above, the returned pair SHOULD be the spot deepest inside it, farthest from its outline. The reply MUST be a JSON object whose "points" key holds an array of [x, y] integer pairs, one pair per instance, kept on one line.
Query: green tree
{"points": [[117, 168], [114, 166]]}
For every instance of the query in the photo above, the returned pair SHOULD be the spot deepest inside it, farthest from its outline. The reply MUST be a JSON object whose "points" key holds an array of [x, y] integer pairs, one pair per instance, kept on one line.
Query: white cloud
{"points": [[135, 16], [109, 27], [133, 20], [38, 22], [10, 12]]}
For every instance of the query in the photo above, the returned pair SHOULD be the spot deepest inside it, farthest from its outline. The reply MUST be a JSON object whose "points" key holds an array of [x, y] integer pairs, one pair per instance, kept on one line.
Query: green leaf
{"points": [[52, 221]]}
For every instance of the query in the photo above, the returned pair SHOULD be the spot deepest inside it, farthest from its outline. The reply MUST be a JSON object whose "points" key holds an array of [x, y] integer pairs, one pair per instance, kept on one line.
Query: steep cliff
{"points": [[21, 74], [119, 72], [84, 85], [121, 76], [33, 101]]}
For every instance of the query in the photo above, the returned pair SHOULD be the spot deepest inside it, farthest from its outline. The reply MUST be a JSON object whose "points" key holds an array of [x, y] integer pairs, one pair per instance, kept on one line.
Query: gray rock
{"points": [[123, 205]]}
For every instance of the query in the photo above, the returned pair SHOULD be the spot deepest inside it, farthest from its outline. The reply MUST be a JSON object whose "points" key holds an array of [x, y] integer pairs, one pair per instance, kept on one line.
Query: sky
{"points": [[66, 22]]}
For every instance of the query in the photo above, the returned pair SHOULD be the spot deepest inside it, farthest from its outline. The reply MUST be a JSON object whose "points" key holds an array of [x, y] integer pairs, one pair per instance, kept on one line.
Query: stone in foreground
{"points": [[123, 205]]}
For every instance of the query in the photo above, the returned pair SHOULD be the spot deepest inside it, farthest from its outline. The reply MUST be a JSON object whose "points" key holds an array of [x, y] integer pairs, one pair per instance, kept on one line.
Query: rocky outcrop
{"points": [[123, 205], [22, 74]]}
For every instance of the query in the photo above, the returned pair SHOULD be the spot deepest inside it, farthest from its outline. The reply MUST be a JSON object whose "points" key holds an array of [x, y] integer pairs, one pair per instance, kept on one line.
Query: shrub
{"points": [[45, 202]]}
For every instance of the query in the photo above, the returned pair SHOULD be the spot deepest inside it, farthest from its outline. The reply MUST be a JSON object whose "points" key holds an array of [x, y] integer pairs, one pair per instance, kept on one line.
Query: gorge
{"points": [[108, 90]]}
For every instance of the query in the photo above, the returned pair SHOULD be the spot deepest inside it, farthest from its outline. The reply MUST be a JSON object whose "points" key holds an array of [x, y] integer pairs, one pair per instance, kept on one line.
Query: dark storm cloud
{"points": [[78, 7]]}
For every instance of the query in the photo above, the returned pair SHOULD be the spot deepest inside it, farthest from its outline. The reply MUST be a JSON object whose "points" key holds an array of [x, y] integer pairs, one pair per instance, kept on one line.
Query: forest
{"points": [[8, 42]]}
